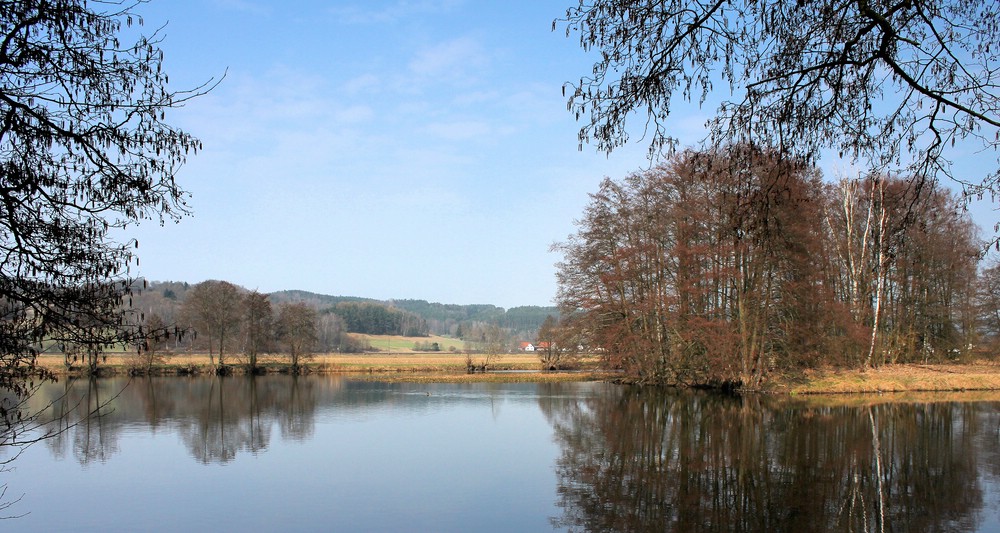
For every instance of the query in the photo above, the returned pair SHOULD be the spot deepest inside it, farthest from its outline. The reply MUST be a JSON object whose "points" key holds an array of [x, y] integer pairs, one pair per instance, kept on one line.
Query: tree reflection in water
{"points": [[660, 460], [78, 419], [630, 459], [216, 418]]}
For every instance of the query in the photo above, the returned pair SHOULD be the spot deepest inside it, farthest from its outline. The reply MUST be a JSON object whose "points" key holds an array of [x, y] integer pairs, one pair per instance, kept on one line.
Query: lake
{"points": [[331, 453]]}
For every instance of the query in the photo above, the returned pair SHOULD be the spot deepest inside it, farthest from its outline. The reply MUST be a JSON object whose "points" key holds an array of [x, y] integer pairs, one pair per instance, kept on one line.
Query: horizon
{"points": [[152, 282]]}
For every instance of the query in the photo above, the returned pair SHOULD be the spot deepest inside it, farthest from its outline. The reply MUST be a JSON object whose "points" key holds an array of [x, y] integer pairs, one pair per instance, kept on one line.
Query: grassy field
{"points": [[400, 344]]}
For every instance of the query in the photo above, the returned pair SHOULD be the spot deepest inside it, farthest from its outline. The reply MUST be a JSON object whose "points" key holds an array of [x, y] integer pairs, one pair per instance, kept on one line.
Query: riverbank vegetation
{"points": [[898, 378], [433, 365], [895, 380], [736, 265]]}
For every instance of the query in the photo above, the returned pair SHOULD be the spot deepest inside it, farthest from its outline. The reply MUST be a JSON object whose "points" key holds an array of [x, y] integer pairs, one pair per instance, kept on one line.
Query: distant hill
{"points": [[165, 298], [318, 300], [364, 315], [442, 319]]}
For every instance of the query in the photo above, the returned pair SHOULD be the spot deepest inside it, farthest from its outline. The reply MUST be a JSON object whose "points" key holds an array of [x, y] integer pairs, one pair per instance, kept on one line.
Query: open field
{"points": [[400, 344]]}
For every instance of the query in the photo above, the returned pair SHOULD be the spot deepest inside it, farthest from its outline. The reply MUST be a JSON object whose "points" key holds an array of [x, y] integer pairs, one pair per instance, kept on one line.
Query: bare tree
{"points": [[890, 83], [559, 343], [258, 326], [214, 309], [725, 265], [84, 151], [155, 334], [491, 341], [988, 305], [297, 331], [545, 344]]}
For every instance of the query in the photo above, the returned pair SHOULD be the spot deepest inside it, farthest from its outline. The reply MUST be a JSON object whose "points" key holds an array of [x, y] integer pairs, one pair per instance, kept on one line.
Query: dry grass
{"points": [[519, 377], [443, 364], [978, 381], [908, 378], [401, 362], [869, 400]]}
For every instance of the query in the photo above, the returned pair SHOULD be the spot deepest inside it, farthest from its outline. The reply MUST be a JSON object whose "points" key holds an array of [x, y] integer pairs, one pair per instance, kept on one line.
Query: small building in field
{"points": [[527, 346]]}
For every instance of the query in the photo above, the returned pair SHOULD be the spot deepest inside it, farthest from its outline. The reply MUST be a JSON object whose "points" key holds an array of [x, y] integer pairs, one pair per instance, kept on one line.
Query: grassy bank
{"points": [[909, 378], [406, 366], [451, 367]]}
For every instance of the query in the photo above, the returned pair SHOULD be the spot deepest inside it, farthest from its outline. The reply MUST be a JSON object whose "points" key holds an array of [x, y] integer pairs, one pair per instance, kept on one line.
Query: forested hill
{"points": [[317, 300], [441, 318]]}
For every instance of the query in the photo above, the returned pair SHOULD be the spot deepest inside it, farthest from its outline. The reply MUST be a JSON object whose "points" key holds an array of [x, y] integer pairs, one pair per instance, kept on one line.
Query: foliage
{"points": [[426, 346], [455, 320], [437, 318], [444, 312], [893, 84], [987, 307], [527, 318], [316, 300], [379, 319]]}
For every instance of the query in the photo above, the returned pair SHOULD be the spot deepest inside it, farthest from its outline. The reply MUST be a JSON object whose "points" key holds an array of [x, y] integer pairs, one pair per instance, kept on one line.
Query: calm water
{"points": [[324, 453]]}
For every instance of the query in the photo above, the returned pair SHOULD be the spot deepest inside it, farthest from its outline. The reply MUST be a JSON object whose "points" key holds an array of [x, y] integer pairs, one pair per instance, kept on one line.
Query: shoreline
{"points": [[451, 367], [891, 379], [379, 366]]}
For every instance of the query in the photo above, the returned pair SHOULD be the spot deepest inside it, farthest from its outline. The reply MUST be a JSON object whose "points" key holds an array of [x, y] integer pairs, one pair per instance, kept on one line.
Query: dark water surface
{"points": [[327, 453]]}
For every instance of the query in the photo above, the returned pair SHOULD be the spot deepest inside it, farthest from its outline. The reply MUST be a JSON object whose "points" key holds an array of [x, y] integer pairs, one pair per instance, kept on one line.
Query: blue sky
{"points": [[396, 149], [385, 149]]}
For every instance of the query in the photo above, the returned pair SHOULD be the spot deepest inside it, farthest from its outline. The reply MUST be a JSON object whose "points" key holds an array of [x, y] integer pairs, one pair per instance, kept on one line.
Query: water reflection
{"points": [[599, 457], [643, 460], [216, 418]]}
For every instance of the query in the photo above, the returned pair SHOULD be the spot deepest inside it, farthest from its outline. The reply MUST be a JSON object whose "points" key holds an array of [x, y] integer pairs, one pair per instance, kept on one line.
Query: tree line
{"points": [[229, 320], [378, 319], [726, 265], [226, 320], [416, 317]]}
